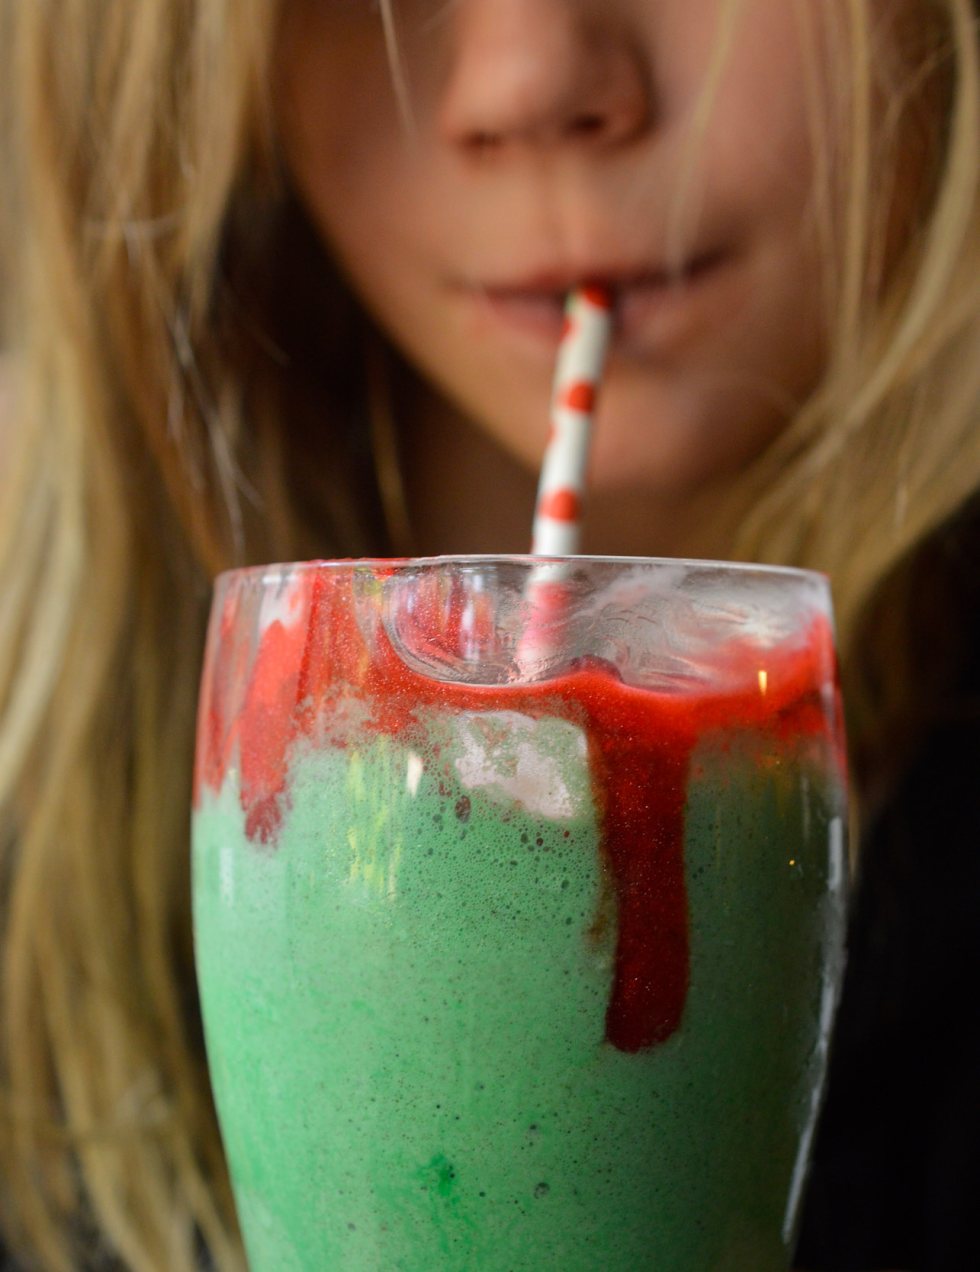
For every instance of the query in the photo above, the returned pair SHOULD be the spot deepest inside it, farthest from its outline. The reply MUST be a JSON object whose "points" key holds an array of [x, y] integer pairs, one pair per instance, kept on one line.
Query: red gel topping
{"points": [[640, 744]]}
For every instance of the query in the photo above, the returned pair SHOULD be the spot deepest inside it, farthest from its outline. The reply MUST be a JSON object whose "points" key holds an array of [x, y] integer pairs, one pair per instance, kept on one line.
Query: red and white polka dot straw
{"points": [[581, 355]]}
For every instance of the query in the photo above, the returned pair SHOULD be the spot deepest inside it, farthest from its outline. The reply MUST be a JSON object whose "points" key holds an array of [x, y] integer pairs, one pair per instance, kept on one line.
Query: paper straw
{"points": [[561, 490], [581, 355]]}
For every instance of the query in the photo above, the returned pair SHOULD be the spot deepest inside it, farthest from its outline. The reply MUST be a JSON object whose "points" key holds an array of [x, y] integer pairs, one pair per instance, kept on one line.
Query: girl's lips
{"points": [[648, 305]]}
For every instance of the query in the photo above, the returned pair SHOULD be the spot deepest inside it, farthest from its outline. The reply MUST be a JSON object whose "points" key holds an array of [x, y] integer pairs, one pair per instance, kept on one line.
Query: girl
{"points": [[283, 280]]}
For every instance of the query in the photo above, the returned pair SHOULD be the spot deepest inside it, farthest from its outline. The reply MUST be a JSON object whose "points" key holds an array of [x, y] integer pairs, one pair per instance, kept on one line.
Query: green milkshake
{"points": [[450, 1023]]}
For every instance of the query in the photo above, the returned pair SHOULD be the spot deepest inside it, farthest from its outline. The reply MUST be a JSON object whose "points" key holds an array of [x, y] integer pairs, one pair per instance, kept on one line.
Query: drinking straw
{"points": [[558, 514], [578, 370]]}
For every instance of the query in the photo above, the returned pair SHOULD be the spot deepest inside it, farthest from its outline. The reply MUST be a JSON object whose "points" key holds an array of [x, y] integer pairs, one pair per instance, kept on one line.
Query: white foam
{"points": [[515, 758]]}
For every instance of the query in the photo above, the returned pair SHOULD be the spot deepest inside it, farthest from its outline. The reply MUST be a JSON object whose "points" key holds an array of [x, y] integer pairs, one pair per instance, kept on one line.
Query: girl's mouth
{"points": [[647, 302]]}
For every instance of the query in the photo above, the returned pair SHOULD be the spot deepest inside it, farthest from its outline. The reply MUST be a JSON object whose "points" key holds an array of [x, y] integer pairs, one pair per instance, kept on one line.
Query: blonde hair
{"points": [[149, 251]]}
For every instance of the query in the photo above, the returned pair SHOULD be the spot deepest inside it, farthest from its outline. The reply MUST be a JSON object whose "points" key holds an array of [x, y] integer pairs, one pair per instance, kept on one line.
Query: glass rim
{"points": [[272, 572]]}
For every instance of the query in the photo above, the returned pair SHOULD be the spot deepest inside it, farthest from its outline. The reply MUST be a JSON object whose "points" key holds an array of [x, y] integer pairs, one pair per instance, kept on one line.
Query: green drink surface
{"points": [[405, 1008]]}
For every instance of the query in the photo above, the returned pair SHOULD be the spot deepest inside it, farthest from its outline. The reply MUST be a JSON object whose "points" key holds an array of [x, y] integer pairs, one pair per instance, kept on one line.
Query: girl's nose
{"points": [[544, 73]]}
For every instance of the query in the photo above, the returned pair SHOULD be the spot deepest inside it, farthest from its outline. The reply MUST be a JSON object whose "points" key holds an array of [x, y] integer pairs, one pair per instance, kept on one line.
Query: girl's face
{"points": [[662, 146]]}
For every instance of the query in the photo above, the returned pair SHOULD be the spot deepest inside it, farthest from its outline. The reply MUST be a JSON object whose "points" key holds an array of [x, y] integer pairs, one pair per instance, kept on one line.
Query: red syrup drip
{"points": [[640, 745], [639, 775]]}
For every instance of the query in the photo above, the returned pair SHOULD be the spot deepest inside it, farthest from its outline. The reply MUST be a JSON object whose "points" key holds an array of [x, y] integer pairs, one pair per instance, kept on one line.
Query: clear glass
{"points": [[518, 903]]}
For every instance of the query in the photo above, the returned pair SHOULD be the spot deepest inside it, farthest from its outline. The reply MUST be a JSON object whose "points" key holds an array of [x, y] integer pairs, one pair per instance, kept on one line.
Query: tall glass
{"points": [[518, 902]]}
